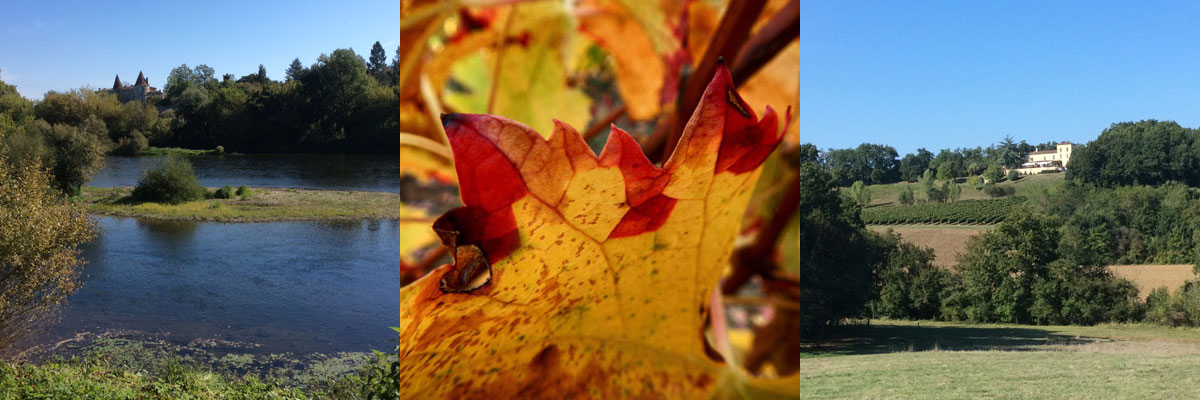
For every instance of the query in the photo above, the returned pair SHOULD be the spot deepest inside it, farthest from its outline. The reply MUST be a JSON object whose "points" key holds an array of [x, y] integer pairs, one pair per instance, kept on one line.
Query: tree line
{"points": [[341, 103], [876, 164], [1043, 264]]}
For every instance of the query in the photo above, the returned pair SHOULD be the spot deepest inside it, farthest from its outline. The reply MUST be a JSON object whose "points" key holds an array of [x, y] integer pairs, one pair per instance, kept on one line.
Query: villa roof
{"points": [[141, 80], [117, 83], [1044, 152]]}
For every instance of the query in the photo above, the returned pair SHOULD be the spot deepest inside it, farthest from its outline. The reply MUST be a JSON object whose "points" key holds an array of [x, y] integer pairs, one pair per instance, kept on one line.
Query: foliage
{"points": [[998, 190], [993, 174], [837, 261], [959, 212], [906, 196], [1128, 225], [244, 191], [1180, 309], [133, 145], [1016, 274], [860, 193], [172, 181], [912, 166], [1013, 175], [907, 284], [953, 191], [1147, 152], [225, 192], [871, 163], [72, 154], [946, 172], [39, 257], [1001, 267]]}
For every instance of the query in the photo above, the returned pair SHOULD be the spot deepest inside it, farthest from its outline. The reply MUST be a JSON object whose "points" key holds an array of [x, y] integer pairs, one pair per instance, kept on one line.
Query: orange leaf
{"points": [[577, 275]]}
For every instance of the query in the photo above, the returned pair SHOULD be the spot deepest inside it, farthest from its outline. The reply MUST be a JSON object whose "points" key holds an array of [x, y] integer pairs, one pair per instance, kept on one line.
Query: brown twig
{"points": [[768, 41], [726, 42], [756, 258], [595, 129]]}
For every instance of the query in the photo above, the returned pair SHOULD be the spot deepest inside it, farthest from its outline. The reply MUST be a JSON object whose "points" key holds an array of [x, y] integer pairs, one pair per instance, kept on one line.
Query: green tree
{"points": [[294, 70], [40, 234], [913, 165], [906, 195], [945, 172], [907, 284], [953, 191], [1001, 267], [860, 193], [993, 174], [837, 264], [377, 64], [1013, 175]]}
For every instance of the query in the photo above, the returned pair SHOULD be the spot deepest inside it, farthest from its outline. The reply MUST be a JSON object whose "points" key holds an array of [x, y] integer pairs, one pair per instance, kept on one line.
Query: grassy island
{"points": [[263, 204]]}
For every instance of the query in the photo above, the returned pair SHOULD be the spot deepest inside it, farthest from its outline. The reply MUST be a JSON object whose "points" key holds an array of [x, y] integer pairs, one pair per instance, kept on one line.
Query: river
{"points": [[296, 286]]}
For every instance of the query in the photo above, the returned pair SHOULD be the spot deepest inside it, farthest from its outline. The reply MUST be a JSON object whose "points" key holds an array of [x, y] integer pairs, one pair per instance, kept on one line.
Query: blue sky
{"points": [[53, 45], [946, 74]]}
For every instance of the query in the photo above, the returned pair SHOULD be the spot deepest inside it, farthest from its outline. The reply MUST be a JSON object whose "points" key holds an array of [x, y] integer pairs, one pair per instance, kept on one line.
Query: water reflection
{"points": [[289, 286]]}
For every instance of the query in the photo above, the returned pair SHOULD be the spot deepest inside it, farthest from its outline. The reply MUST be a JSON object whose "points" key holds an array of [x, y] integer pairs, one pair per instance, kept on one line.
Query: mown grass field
{"points": [[264, 204], [935, 360], [888, 194]]}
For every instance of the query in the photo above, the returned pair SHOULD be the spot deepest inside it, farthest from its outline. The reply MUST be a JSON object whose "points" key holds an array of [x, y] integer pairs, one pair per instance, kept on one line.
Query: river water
{"points": [[369, 172], [295, 286]]}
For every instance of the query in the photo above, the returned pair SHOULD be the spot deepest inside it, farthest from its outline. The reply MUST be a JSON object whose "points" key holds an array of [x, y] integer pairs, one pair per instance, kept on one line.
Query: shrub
{"points": [[998, 191], [39, 238], [225, 192], [172, 181], [243, 191], [906, 196], [1049, 171], [860, 193], [219, 150], [1013, 175], [132, 145]]}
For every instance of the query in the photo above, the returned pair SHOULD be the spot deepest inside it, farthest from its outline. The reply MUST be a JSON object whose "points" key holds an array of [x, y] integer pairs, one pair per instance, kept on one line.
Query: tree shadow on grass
{"points": [[878, 339]]}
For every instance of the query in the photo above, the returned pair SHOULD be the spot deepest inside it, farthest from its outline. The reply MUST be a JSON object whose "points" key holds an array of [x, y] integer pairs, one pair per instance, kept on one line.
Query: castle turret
{"points": [[117, 83], [141, 80]]}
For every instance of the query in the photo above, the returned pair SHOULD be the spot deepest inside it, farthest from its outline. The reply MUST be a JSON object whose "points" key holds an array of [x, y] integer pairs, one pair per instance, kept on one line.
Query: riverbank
{"points": [[137, 365], [263, 204]]}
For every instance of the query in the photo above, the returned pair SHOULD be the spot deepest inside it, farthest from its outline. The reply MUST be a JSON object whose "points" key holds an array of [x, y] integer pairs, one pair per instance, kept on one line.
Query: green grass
{"points": [[160, 151], [265, 204], [899, 359], [1027, 185], [123, 365]]}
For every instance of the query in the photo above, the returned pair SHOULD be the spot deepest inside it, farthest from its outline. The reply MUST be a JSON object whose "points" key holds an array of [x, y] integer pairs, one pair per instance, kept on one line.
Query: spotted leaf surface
{"points": [[579, 276]]}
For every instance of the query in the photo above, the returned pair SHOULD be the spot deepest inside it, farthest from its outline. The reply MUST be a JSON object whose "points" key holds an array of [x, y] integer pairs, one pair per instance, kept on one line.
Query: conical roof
{"points": [[117, 83], [141, 80]]}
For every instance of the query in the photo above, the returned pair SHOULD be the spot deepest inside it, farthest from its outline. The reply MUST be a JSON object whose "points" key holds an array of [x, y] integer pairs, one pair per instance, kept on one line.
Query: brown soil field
{"points": [[947, 241], [1152, 276]]}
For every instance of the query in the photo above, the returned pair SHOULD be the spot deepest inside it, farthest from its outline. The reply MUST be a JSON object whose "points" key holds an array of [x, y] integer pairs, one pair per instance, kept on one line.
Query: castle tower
{"points": [[141, 80], [117, 83]]}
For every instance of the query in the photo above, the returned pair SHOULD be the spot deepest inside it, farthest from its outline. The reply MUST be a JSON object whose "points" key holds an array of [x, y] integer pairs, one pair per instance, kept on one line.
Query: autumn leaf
{"points": [[645, 39], [523, 75], [585, 276]]}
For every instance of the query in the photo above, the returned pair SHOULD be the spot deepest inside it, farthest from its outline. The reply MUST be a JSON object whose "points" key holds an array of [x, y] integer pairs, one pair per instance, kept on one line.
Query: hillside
{"points": [[887, 194]]}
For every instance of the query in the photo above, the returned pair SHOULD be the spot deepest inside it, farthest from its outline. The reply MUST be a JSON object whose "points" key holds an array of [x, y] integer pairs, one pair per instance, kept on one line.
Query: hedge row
{"points": [[990, 211]]}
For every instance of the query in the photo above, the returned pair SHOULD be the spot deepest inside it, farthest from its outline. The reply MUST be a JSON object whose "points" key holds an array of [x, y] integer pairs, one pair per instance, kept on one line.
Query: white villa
{"points": [[1047, 160]]}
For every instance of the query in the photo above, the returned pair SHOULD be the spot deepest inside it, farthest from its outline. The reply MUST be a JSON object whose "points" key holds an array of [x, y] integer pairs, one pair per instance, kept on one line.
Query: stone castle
{"points": [[140, 91]]}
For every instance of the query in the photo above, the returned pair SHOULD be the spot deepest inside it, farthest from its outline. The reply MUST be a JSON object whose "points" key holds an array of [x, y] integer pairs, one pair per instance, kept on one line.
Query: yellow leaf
{"points": [[578, 276], [523, 76]]}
